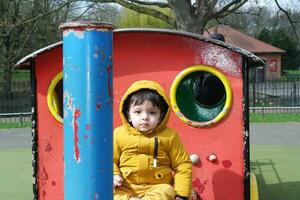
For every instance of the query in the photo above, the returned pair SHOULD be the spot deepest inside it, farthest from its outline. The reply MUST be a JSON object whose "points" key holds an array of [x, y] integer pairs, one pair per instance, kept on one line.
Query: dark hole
{"points": [[59, 92], [208, 89]]}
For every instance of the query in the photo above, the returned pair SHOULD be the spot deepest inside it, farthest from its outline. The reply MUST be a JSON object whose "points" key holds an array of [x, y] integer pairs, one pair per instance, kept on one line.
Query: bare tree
{"points": [[188, 15], [294, 20], [26, 25], [194, 15]]}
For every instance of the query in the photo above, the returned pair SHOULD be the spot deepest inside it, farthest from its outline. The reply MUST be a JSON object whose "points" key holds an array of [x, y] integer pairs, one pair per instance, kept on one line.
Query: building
{"points": [[270, 54]]}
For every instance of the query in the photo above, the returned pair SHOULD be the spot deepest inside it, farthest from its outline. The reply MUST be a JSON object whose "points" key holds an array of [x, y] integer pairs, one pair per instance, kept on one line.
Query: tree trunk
{"points": [[186, 18], [6, 87]]}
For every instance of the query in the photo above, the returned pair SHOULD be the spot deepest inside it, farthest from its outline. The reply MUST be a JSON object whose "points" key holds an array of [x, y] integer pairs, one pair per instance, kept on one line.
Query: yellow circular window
{"points": [[54, 97]]}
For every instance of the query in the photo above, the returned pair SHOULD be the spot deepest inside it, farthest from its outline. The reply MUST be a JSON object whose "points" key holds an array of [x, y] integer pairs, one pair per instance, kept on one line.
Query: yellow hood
{"points": [[145, 84]]}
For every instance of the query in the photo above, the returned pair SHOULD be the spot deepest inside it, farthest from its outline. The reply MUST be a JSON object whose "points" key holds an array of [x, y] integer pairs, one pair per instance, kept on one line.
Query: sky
{"points": [[286, 4]]}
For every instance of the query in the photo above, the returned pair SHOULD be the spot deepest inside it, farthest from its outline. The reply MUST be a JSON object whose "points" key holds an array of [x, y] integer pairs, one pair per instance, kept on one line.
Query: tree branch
{"points": [[140, 7], [22, 23], [230, 8], [146, 10], [289, 19], [152, 3]]}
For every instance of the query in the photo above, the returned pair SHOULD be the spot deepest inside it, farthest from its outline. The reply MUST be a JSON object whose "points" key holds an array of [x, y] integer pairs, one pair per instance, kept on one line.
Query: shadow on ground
{"points": [[270, 184]]}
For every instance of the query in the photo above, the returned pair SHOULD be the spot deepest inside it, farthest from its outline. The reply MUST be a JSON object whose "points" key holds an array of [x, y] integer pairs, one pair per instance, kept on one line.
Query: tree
{"points": [[194, 15], [188, 15], [26, 25], [279, 37], [251, 21]]}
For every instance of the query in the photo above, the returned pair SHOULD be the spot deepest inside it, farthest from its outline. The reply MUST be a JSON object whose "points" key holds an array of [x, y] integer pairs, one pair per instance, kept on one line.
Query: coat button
{"points": [[159, 175]]}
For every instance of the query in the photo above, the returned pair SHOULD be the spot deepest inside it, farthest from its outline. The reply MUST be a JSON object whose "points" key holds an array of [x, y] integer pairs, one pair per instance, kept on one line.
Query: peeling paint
{"points": [[44, 175], [53, 183], [221, 58], [199, 187], [44, 193], [226, 163], [78, 34], [98, 52], [98, 106], [48, 147], [76, 115], [96, 196]]}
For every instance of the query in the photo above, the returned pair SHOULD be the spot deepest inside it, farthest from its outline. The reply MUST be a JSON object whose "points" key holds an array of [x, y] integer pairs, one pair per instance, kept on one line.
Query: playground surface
{"points": [[275, 149]]}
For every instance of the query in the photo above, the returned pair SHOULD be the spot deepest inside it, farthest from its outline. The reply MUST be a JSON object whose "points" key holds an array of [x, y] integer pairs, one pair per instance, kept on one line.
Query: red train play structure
{"points": [[207, 81]]}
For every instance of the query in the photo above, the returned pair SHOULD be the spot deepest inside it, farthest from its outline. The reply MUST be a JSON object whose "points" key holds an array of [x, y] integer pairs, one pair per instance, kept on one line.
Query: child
{"points": [[150, 162]]}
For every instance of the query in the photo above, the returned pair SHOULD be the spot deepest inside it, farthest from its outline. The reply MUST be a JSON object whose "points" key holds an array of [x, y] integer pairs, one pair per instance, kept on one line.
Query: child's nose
{"points": [[145, 116]]}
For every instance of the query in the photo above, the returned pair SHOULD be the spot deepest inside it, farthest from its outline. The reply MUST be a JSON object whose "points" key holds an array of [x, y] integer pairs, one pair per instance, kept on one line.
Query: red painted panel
{"points": [[160, 57], [49, 131]]}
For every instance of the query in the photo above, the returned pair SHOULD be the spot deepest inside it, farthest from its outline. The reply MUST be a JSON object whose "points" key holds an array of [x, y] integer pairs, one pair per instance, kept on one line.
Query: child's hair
{"points": [[138, 97]]}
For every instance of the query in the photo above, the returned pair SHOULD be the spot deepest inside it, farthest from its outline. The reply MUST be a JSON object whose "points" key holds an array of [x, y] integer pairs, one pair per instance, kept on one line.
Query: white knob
{"points": [[212, 157], [194, 158]]}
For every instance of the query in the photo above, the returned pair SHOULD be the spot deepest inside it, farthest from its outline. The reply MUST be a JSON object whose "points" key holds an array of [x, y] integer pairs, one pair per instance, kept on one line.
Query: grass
{"points": [[293, 72], [15, 125], [22, 75], [277, 171], [16, 174], [274, 117]]}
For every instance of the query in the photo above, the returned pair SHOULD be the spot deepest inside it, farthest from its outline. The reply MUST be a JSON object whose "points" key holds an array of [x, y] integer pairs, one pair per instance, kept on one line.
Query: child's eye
{"points": [[152, 113], [137, 112]]}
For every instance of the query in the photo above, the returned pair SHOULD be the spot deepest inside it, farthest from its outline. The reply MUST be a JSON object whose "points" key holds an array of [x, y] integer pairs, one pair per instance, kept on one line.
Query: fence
{"points": [[17, 100], [15, 106], [275, 93], [274, 96]]}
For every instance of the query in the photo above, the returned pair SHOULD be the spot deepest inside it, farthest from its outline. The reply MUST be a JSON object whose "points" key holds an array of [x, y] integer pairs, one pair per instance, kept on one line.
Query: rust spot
{"points": [[98, 106], [53, 183], [200, 187], [88, 127], [75, 128], [86, 137], [226, 163], [44, 193], [109, 82], [48, 147]]}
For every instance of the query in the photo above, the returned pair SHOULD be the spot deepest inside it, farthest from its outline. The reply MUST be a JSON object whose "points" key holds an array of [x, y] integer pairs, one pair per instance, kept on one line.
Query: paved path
{"points": [[260, 133], [15, 138], [287, 133]]}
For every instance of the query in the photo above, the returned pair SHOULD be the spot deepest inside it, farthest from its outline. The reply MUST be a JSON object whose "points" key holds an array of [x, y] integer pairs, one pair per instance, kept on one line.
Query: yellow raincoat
{"points": [[134, 154]]}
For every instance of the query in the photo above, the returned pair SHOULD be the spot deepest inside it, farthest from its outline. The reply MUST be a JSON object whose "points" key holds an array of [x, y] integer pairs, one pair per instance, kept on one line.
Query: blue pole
{"points": [[88, 117]]}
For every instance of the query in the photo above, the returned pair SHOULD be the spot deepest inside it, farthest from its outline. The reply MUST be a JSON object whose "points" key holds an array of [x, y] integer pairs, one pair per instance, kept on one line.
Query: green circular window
{"points": [[201, 95]]}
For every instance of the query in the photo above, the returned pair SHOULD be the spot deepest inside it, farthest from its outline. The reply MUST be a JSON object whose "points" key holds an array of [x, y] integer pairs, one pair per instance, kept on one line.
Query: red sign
{"points": [[273, 65]]}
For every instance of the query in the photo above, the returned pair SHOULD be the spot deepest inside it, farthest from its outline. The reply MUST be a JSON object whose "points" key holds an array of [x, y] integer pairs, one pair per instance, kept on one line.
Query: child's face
{"points": [[144, 117]]}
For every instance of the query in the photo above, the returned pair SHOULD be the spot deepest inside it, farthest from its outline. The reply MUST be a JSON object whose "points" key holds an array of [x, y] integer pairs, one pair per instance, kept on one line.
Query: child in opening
{"points": [[150, 162]]}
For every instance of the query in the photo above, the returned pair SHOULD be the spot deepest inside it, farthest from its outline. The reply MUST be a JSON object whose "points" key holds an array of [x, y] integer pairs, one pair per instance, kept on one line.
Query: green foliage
{"points": [[280, 38], [132, 19]]}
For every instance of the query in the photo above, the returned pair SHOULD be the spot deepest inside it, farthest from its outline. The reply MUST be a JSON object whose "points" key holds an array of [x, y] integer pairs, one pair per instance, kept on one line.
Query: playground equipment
{"points": [[207, 81]]}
